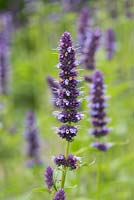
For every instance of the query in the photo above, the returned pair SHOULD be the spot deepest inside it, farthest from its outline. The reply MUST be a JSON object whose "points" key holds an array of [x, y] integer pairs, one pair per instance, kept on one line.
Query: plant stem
{"points": [[64, 172], [98, 181]]}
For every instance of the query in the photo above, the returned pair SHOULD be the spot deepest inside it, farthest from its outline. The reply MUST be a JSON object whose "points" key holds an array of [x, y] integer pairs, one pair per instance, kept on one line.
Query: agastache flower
{"points": [[69, 104], [83, 26], [5, 31], [129, 7], [68, 92], [32, 138], [97, 110], [60, 195], [98, 105], [89, 49], [54, 86], [110, 43], [49, 177]]}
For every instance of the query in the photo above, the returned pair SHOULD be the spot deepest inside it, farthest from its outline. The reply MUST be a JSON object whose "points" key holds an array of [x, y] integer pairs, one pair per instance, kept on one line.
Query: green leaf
{"points": [[122, 143], [120, 88], [82, 150], [71, 187], [41, 189], [57, 176], [88, 164]]}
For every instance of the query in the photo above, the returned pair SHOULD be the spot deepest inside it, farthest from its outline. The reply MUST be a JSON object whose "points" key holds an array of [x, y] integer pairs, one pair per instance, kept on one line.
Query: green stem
{"points": [[3, 102], [64, 172], [5, 173], [54, 186], [98, 177]]}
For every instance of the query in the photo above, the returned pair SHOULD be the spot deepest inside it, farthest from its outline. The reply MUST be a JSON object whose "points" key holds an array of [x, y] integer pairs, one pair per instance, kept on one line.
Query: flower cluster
{"points": [[110, 43], [68, 92], [32, 138], [68, 103], [67, 132], [54, 86], [89, 49], [83, 26], [71, 161], [5, 30], [97, 107]]}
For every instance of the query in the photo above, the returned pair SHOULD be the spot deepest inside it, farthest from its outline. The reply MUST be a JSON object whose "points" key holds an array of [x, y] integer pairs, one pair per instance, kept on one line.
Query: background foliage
{"points": [[33, 57]]}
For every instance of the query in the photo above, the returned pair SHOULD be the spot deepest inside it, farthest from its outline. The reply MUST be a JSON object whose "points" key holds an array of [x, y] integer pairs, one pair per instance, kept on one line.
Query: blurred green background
{"points": [[37, 29]]}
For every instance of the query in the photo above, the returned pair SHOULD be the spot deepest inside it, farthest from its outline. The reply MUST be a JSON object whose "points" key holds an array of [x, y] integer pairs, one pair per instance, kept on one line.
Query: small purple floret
{"points": [[67, 132], [54, 87], [72, 162], [60, 160], [101, 146], [60, 195]]}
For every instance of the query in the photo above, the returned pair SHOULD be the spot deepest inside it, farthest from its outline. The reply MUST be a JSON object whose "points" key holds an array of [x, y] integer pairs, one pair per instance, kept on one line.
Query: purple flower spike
{"points": [[110, 43], [129, 7], [90, 47], [101, 146], [68, 91], [5, 33], [97, 106], [83, 24], [60, 195], [49, 177], [54, 87], [32, 138]]}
